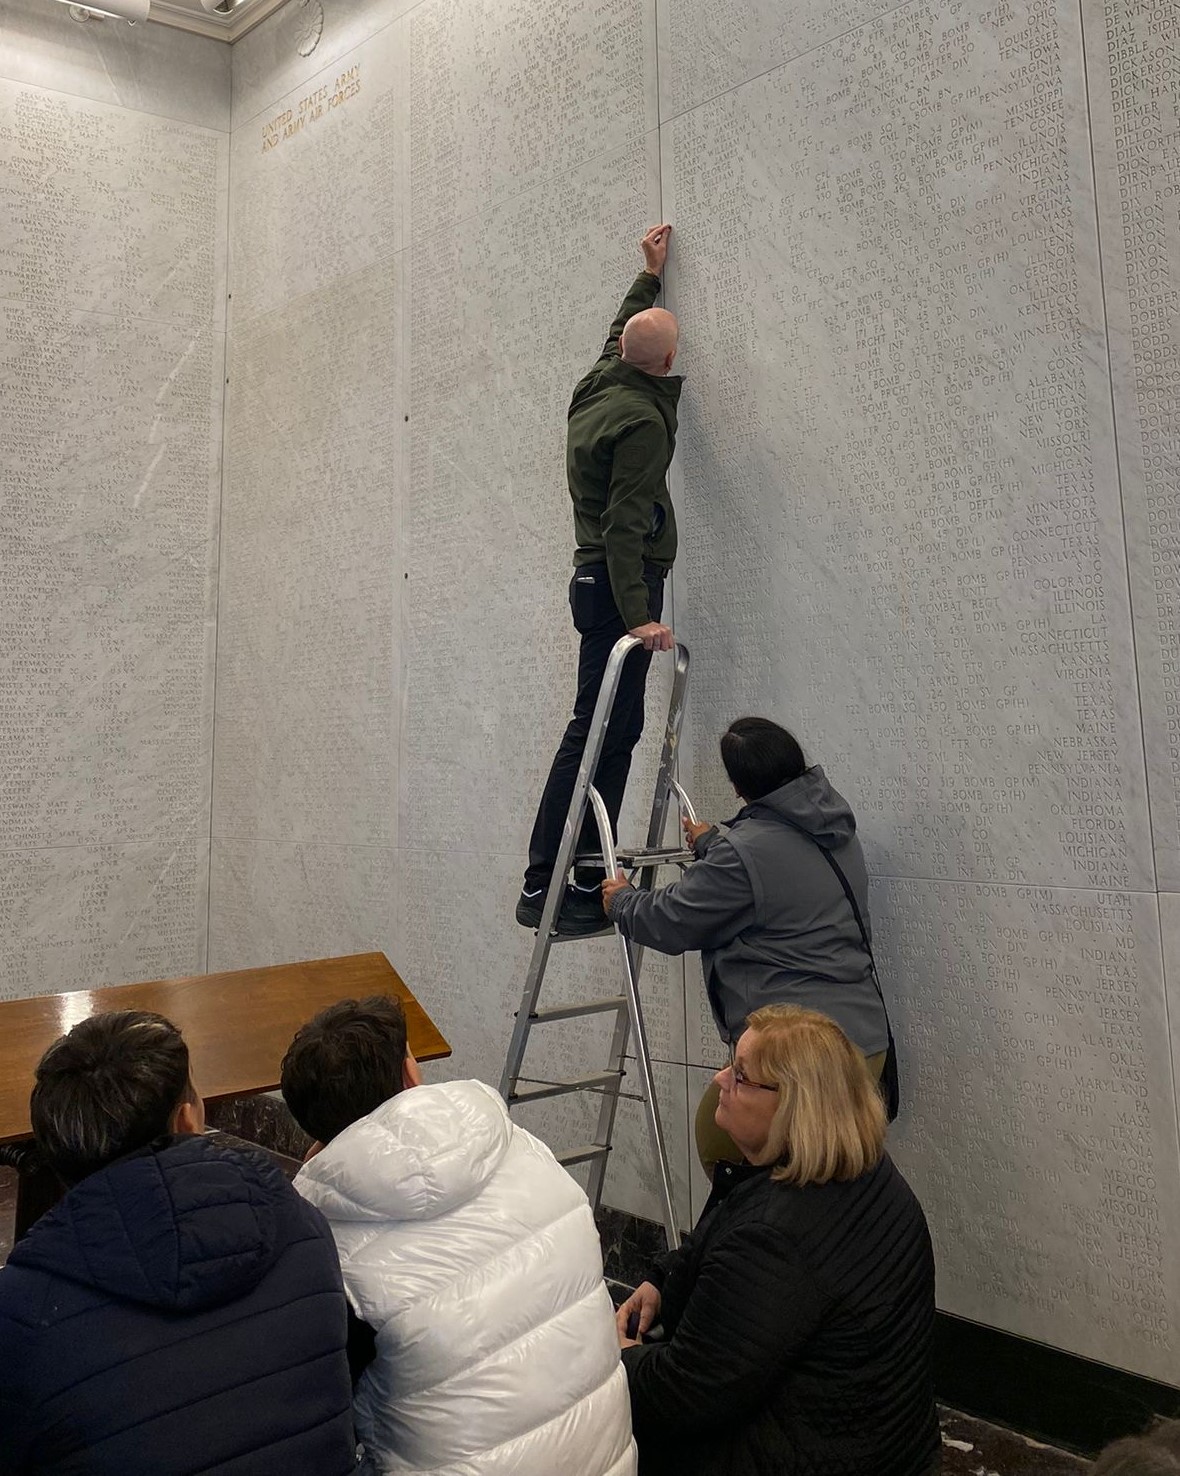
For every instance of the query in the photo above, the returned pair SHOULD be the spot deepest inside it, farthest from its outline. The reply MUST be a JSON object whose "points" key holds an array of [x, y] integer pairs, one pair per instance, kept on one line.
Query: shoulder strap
{"points": [[889, 1078], [851, 895]]}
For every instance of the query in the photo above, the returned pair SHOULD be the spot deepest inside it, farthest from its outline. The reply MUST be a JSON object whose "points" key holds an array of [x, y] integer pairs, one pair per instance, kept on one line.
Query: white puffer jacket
{"points": [[473, 1254]]}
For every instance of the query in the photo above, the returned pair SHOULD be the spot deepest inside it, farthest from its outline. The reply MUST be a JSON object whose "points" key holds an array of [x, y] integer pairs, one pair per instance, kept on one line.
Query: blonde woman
{"points": [[798, 1316]]}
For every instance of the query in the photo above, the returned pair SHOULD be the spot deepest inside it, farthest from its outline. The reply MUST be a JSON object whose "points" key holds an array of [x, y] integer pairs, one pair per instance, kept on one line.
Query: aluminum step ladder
{"points": [[626, 1006]]}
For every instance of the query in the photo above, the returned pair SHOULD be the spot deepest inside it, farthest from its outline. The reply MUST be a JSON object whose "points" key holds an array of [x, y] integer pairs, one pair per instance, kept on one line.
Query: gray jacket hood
{"points": [[811, 803]]}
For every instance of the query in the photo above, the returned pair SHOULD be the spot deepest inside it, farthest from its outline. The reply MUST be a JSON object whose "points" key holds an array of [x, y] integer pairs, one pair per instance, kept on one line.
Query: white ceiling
{"points": [[191, 15]]}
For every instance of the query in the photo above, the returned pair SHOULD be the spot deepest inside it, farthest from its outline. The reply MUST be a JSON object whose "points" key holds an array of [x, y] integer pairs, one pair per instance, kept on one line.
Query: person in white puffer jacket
{"points": [[470, 1254]]}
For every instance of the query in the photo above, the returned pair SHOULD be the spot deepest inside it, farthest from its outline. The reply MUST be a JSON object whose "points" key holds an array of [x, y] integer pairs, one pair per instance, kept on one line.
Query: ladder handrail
{"points": [[609, 859], [666, 777], [642, 1052], [685, 803], [595, 738]]}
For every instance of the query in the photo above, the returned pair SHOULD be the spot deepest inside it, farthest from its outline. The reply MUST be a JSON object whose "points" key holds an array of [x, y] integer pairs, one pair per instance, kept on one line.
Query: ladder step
{"points": [[604, 932], [584, 1154], [587, 1007], [561, 1088], [655, 856], [638, 855]]}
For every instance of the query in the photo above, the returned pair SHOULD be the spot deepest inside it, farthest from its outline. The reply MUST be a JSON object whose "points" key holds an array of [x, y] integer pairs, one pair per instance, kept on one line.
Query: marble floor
{"points": [[974, 1448]]}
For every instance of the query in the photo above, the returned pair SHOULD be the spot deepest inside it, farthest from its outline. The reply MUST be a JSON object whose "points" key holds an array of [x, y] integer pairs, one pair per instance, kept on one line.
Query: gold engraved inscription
{"points": [[311, 108]]}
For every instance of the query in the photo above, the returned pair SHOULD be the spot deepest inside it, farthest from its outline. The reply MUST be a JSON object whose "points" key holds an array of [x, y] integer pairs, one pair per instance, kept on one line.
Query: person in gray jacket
{"points": [[765, 907]]}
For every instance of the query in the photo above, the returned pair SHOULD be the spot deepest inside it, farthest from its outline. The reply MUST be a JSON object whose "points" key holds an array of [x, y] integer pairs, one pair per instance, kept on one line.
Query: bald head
{"points": [[649, 340]]}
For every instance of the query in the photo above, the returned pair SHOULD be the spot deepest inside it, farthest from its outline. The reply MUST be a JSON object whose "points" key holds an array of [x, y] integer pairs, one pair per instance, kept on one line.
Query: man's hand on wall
{"points": [[655, 637], [655, 249]]}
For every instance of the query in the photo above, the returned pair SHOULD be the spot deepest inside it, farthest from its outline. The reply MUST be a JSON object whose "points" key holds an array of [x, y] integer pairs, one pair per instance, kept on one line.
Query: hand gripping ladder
{"points": [[626, 1007]]}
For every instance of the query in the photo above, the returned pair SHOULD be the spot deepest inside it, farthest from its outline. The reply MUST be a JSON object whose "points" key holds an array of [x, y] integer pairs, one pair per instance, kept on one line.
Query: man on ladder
{"points": [[620, 438]]}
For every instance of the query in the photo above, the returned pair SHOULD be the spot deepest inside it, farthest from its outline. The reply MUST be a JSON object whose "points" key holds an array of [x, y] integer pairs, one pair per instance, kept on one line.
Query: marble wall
{"points": [[305, 778], [113, 179], [931, 512], [419, 270], [926, 260]]}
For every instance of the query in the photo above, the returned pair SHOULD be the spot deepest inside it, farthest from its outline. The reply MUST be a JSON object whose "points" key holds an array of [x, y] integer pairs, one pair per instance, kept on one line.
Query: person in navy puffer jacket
{"points": [[181, 1309]]}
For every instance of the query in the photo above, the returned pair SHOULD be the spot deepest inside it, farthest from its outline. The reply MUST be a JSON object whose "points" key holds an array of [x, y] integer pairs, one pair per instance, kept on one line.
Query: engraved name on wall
{"points": [[112, 252]]}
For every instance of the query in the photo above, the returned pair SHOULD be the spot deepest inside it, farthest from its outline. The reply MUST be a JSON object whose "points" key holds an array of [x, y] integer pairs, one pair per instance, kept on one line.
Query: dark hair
{"points": [[760, 757], [1155, 1454], [108, 1088], [344, 1063]]}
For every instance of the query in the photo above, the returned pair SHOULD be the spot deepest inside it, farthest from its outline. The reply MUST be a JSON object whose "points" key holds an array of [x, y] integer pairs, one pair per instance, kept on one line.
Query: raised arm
{"points": [[710, 904], [645, 288]]}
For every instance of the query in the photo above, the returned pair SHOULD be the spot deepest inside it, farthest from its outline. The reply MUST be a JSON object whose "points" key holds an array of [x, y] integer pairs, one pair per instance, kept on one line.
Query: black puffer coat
{"points": [[180, 1311], [799, 1326]]}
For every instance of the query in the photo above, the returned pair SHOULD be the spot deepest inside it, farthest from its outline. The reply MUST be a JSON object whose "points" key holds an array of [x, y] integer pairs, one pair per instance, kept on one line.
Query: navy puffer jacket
{"points": [[179, 1312]]}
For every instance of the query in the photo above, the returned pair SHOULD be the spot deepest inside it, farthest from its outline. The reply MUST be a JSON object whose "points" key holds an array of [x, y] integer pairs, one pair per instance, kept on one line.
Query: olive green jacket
{"points": [[621, 435]]}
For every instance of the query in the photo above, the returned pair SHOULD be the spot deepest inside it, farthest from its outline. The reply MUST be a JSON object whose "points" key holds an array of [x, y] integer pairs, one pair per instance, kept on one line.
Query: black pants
{"points": [[598, 622]]}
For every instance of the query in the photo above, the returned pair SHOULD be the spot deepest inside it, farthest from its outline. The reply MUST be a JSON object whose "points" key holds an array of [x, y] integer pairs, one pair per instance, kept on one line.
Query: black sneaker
{"points": [[528, 908], [581, 914]]}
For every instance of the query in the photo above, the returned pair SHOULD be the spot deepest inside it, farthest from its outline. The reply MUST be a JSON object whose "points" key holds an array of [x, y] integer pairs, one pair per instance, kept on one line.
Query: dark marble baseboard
{"points": [[629, 1245], [261, 1119], [1050, 1394]]}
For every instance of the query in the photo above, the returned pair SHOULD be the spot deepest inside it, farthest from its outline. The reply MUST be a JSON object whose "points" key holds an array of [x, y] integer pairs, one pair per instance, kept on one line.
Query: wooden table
{"points": [[237, 1025]]}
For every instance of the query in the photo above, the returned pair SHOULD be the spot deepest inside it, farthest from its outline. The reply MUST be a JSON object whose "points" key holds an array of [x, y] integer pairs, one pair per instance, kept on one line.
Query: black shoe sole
{"points": [[528, 915], [587, 929]]}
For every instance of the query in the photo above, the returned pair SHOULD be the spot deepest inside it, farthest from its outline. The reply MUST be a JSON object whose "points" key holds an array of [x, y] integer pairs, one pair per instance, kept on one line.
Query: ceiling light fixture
{"points": [[128, 10]]}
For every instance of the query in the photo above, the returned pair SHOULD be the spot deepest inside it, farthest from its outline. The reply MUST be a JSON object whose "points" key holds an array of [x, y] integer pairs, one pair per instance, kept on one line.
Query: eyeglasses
{"points": [[740, 1079]]}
